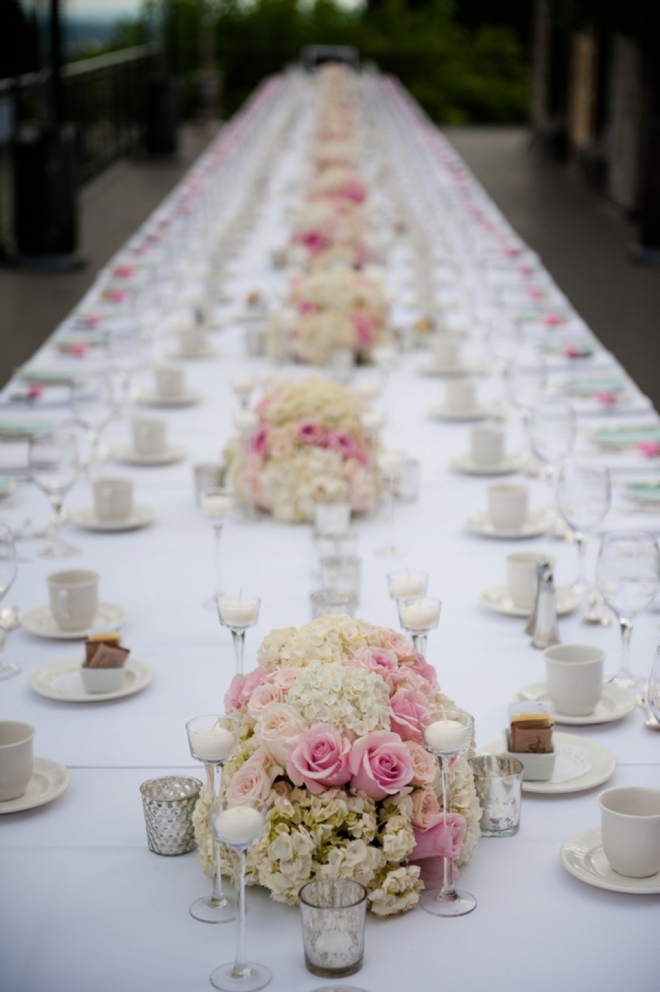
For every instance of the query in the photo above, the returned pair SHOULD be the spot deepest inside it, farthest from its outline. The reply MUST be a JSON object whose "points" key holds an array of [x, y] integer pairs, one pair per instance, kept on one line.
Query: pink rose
{"points": [[319, 758], [421, 667], [380, 764], [260, 442], [307, 306], [364, 329], [425, 765], [426, 808], [343, 442], [284, 677], [378, 660], [570, 351], [441, 838], [79, 349], [312, 433], [251, 782], [406, 708], [263, 696], [651, 449], [279, 724], [35, 390], [234, 694], [392, 640], [315, 241], [253, 679]]}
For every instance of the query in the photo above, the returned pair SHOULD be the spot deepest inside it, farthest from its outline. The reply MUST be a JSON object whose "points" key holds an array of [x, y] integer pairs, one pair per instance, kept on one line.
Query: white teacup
{"points": [[630, 830], [113, 499], [192, 340], [521, 576], [487, 445], [170, 382], [461, 395], [574, 674], [149, 435], [15, 758], [447, 351], [74, 598], [508, 505]]}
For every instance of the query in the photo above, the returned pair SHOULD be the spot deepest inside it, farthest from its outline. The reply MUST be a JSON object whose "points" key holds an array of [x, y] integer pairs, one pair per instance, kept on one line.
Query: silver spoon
{"points": [[642, 701]]}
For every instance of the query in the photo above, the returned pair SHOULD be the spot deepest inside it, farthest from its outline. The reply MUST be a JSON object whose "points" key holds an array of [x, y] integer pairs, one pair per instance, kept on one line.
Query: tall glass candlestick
{"points": [[419, 616], [216, 505], [238, 613]]}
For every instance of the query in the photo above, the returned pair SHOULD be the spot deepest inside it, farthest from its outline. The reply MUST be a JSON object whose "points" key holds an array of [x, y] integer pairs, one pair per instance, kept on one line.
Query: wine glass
{"points": [[653, 691], [238, 613], [213, 739], [527, 378], [584, 494], [8, 569], [552, 432], [238, 827], [628, 578], [54, 466], [216, 504], [94, 405], [447, 732]]}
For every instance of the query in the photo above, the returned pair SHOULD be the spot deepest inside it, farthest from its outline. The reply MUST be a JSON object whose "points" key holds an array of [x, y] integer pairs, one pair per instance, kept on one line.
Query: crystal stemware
{"points": [[446, 733], [238, 827], [238, 613], [584, 494], [54, 466], [213, 739], [628, 578], [8, 569], [418, 616], [216, 505], [94, 404]]}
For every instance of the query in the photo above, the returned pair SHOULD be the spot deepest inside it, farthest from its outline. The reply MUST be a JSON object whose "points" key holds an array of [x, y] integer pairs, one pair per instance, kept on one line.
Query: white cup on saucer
{"points": [[461, 395], [74, 598], [630, 830], [487, 445], [574, 674], [170, 382], [508, 505], [15, 758], [192, 339], [149, 435], [113, 499], [521, 576], [447, 350]]}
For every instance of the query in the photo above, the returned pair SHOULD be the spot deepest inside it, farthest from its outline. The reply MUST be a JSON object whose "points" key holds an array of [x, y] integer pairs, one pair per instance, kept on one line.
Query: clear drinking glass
{"points": [[653, 691], [553, 429], [418, 616], [216, 505], [54, 467], [528, 377], [584, 494], [8, 569], [628, 579], [238, 613], [94, 404]]}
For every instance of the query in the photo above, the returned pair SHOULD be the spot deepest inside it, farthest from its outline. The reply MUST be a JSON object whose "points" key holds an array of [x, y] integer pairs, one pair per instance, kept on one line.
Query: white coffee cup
{"points": [[574, 674], [507, 505], [521, 576], [113, 499], [192, 340], [74, 598], [15, 758], [149, 435], [170, 382], [630, 830], [487, 445], [461, 395], [447, 351]]}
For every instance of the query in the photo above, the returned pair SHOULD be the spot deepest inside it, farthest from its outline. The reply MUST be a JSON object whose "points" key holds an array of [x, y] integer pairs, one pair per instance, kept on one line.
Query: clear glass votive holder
{"points": [[408, 482], [208, 475], [341, 573], [498, 781], [329, 601], [255, 339], [332, 518], [341, 545], [333, 914], [168, 808]]}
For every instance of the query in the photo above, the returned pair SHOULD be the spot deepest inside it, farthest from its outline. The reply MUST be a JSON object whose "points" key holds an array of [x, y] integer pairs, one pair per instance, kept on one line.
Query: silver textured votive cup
{"points": [[498, 781], [333, 914], [342, 545], [329, 601], [168, 808]]}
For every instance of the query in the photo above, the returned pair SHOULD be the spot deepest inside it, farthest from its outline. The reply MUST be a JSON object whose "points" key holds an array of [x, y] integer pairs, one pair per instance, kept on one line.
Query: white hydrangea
{"points": [[353, 699], [330, 638]]}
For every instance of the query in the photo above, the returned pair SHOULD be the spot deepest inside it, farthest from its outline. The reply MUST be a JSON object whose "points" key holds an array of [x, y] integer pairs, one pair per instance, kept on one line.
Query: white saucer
{"points": [[466, 465], [40, 622], [7, 487], [188, 398], [208, 352], [615, 703], [535, 525], [497, 599], [441, 412], [581, 764], [49, 780], [431, 367], [172, 453], [62, 681], [582, 855], [140, 516]]}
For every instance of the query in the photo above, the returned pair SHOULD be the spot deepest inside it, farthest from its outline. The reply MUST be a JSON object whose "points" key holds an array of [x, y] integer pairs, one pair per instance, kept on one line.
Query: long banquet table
{"points": [[84, 905]]}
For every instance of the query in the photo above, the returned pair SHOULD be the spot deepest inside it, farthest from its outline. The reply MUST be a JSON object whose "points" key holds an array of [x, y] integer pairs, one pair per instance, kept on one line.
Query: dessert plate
{"points": [[172, 453], [582, 855], [615, 703], [40, 622], [441, 412], [140, 516], [431, 367], [643, 492], [535, 525], [49, 780], [498, 599], [62, 681], [208, 352], [508, 465], [626, 437], [581, 764], [188, 398]]}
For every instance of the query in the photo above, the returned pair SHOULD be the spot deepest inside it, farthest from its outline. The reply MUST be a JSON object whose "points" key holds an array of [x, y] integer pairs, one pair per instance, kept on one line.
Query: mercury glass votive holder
{"points": [[328, 601], [333, 915], [341, 573], [498, 781], [168, 808]]}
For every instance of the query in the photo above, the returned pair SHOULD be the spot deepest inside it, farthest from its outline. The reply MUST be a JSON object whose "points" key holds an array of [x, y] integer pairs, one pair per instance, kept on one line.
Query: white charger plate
{"points": [[614, 704], [498, 599], [467, 465], [535, 525], [41, 623], [581, 764], [62, 681], [188, 398], [49, 780], [442, 412], [582, 855], [172, 453], [86, 518]]}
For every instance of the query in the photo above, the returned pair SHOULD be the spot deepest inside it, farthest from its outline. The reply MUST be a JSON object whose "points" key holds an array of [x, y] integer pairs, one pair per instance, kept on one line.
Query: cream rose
{"points": [[279, 724]]}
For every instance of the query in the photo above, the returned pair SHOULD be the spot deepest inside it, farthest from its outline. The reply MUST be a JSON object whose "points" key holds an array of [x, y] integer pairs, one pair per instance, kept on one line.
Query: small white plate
{"points": [[7, 486], [615, 703], [508, 465], [431, 367], [49, 780], [188, 398], [172, 453], [535, 525], [582, 855], [208, 352], [581, 764], [40, 622], [62, 681], [497, 599], [441, 412], [140, 516]]}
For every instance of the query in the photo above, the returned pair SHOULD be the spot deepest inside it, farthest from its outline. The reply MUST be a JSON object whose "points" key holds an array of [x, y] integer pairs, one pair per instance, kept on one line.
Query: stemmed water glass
{"points": [[527, 380], [238, 613], [418, 617], [552, 432], [94, 404], [54, 467], [653, 691], [8, 569], [238, 827], [390, 464], [447, 732], [213, 739], [216, 504], [584, 494], [628, 578]]}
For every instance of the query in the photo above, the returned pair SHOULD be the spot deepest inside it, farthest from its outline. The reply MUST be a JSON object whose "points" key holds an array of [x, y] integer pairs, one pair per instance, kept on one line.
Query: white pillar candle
{"points": [[368, 389], [390, 460], [239, 612], [212, 743], [216, 506], [405, 586], [372, 420], [419, 616], [240, 824], [447, 735], [242, 385], [246, 420]]}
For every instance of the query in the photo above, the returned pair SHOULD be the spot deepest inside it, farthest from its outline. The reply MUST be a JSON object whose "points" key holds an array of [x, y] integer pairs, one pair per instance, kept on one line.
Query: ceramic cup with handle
{"points": [[192, 339], [447, 350], [74, 598], [521, 576], [15, 758], [574, 674], [461, 395], [630, 830], [170, 382], [113, 499], [149, 435], [508, 505], [487, 445]]}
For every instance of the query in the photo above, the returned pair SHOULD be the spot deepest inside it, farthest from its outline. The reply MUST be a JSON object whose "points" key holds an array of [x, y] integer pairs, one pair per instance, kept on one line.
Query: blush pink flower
{"points": [[425, 765], [426, 808], [392, 640], [318, 759], [260, 442], [315, 241], [264, 695], [312, 433], [250, 783], [253, 679], [420, 666], [35, 390], [607, 398], [441, 838], [234, 694], [343, 442], [364, 329], [278, 725], [125, 271], [307, 306], [380, 764], [552, 319], [570, 351], [378, 660], [284, 677], [651, 449], [407, 706]]}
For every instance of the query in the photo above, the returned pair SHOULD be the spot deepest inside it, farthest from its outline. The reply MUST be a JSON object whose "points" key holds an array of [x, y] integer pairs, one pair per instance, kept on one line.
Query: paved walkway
{"points": [[582, 240]]}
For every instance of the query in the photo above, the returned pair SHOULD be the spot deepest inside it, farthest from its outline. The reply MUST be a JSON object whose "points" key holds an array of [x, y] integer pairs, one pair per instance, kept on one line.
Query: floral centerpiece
{"points": [[331, 741], [308, 446]]}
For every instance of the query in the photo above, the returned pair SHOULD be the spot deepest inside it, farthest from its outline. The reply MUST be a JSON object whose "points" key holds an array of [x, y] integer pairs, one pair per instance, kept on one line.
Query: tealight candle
{"points": [[246, 421], [212, 743], [419, 616], [368, 389], [447, 735], [242, 385], [238, 612], [372, 420], [405, 586], [390, 460], [216, 506], [240, 824]]}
